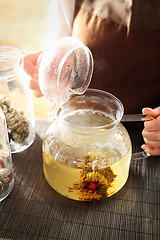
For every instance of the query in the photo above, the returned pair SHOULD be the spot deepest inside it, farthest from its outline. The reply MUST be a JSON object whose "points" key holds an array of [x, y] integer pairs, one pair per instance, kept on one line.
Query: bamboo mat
{"points": [[33, 210]]}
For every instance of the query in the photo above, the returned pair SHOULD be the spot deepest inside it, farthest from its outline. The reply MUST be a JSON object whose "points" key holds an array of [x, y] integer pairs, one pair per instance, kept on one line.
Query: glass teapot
{"points": [[86, 150]]}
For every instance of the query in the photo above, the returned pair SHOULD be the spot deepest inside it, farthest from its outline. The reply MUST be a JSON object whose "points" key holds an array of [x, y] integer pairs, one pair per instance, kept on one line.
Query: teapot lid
{"points": [[64, 70]]}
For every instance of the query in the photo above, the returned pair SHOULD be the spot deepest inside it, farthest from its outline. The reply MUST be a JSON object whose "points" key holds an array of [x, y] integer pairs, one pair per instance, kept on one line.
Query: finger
{"points": [[37, 94], [152, 144], [29, 62], [153, 125], [148, 111], [34, 84], [151, 151], [35, 89], [28, 67], [153, 112], [152, 136]]}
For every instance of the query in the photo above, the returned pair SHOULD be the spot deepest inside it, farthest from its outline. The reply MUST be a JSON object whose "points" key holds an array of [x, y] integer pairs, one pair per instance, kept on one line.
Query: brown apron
{"points": [[124, 37]]}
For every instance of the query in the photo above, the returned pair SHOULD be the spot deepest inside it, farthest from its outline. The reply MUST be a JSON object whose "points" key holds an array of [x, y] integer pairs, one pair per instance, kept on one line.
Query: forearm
{"points": [[60, 18]]}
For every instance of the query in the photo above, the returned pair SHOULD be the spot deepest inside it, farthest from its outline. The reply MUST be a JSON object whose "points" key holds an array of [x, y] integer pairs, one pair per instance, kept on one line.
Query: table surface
{"points": [[33, 210]]}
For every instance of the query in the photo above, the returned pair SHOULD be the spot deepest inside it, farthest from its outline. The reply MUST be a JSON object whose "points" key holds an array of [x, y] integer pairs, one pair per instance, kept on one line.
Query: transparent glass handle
{"points": [[136, 118], [140, 155]]}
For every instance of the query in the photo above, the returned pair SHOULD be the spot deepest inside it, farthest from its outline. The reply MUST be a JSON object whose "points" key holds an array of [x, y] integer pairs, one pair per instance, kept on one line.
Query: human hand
{"points": [[28, 63], [151, 132]]}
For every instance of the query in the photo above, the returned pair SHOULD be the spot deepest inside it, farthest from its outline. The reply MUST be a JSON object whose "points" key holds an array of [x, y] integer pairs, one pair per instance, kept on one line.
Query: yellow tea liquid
{"points": [[62, 177]]}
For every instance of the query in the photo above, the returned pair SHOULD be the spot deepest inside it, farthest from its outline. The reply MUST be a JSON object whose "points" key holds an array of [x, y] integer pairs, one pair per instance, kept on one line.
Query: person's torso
{"points": [[124, 37]]}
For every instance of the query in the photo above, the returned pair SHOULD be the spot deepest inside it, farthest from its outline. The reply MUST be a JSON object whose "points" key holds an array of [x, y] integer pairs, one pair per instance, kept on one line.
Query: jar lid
{"points": [[64, 70]]}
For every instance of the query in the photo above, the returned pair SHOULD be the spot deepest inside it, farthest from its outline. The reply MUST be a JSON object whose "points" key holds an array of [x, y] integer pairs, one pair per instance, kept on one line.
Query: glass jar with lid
{"points": [[16, 99], [6, 168]]}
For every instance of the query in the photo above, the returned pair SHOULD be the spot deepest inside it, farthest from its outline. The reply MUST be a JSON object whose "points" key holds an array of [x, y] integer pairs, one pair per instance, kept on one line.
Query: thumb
{"points": [[29, 67], [153, 112]]}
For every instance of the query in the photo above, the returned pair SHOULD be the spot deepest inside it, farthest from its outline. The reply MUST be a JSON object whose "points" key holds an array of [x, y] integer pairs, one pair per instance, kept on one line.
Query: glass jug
{"points": [[86, 150], [6, 169], [16, 100]]}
